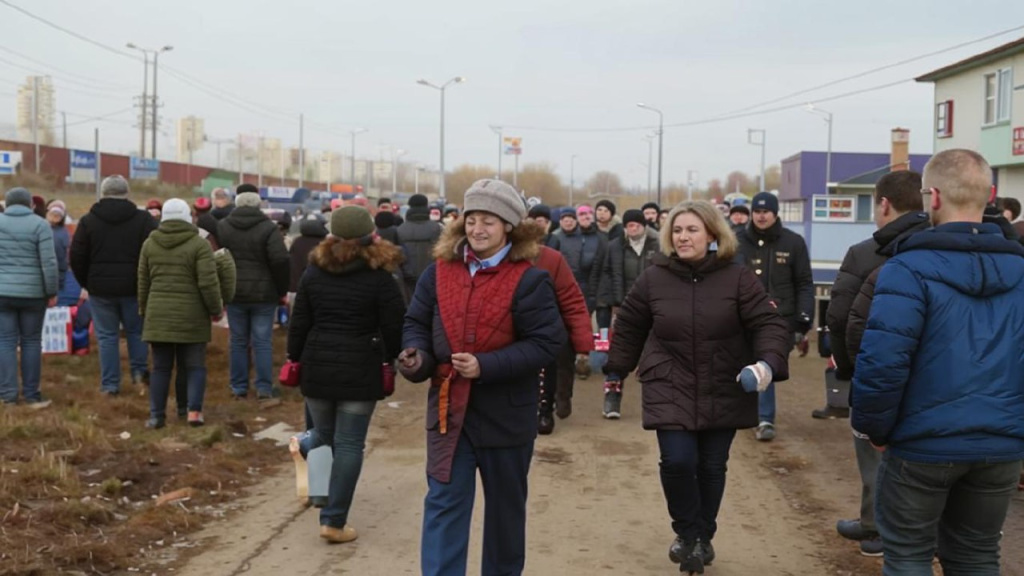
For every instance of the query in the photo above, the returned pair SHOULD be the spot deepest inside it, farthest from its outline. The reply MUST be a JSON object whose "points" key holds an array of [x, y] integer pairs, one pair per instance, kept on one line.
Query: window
{"points": [[791, 211], [865, 207], [998, 92], [944, 119]]}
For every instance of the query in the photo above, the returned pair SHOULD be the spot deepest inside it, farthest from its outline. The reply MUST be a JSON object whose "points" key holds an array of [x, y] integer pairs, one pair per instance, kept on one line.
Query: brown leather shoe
{"points": [[338, 535]]}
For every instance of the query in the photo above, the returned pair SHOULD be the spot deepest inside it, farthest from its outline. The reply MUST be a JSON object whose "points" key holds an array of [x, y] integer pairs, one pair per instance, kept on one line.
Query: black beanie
{"points": [[384, 219], [541, 211], [246, 188], [607, 204], [633, 215], [650, 205], [418, 200]]}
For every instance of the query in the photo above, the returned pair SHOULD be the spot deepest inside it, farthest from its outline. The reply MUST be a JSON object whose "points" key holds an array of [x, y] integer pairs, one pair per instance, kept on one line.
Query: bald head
{"points": [[963, 178]]}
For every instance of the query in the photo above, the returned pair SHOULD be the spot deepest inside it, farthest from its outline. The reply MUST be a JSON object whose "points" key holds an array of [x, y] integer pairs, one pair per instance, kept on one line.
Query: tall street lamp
{"points": [[352, 160], [828, 155], [661, 133], [650, 162], [156, 58], [395, 155], [441, 89], [497, 130], [761, 143]]}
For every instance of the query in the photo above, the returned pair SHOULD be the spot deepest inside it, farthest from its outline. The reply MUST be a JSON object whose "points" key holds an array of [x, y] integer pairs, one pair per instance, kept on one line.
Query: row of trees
{"points": [[540, 179]]}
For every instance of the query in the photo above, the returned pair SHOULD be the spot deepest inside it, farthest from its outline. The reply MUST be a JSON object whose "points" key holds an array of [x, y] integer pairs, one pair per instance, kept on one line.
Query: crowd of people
{"points": [[704, 306]]}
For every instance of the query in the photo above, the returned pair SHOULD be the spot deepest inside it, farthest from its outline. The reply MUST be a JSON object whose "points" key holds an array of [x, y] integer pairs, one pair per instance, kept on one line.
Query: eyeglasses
{"points": [[926, 191]]}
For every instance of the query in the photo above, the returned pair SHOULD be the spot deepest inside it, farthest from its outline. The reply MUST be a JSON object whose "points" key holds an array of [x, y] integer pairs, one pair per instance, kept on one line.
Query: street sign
{"points": [[513, 145]]}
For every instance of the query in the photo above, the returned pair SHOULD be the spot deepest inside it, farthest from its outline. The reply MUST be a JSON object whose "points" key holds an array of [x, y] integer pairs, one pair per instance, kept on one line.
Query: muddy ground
{"points": [[595, 501]]}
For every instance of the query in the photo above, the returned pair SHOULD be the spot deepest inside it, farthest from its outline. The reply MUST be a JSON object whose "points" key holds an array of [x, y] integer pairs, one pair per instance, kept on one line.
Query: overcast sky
{"points": [[574, 64]]}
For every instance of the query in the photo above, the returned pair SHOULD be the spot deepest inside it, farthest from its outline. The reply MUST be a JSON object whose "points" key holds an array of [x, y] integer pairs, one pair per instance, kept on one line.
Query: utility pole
{"points": [[352, 160], [96, 151], [661, 134], [650, 163], [241, 150], [751, 140], [302, 151], [145, 105], [156, 57], [691, 181], [35, 117]]}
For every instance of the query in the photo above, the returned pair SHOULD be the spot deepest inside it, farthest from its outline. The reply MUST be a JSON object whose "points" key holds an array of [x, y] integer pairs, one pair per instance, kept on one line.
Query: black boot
{"points": [[688, 554]]}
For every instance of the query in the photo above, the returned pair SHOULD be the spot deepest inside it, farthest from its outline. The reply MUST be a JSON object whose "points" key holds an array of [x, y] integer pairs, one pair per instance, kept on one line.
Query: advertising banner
{"points": [[513, 145], [144, 169], [83, 166], [9, 162]]}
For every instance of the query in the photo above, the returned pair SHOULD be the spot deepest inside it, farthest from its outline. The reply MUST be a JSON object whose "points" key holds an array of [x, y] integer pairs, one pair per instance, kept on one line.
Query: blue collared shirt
{"points": [[476, 265]]}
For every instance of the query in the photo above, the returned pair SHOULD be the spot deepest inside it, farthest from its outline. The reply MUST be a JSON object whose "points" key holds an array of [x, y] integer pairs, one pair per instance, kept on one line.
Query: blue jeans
{"points": [[108, 315], [21, 323], [342, 425], [191, 361], [251, 324], [958, 506], [693, 466], [448, 510], [766, 404]]}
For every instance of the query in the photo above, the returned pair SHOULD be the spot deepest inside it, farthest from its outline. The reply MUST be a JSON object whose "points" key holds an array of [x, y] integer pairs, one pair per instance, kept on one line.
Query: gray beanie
{"points": [[250, 199], [496, 197], [176, 209], [18, 196], [114, 186]]}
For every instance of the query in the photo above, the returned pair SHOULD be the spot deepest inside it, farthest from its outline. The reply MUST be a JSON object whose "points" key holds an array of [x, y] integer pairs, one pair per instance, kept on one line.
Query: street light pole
{"points": [[761, 143], [352, 160], [441, 89], [828, 155], [394, 170], [497, 130], [572, 177], [650, 163], [661, 133]]}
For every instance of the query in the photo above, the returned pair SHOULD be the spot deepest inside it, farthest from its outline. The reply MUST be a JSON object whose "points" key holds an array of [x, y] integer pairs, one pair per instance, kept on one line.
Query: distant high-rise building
{"points": [[37, 94], [191, 136]]}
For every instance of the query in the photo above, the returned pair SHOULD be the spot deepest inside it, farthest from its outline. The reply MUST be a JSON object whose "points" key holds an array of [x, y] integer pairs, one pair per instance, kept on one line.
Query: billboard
{"points": [[513, 145], [144, 168], [9, 162], [82, 167]]}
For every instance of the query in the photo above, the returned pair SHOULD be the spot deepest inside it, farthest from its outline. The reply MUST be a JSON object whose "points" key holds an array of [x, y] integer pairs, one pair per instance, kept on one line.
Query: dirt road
{"points": [[595, 501]]}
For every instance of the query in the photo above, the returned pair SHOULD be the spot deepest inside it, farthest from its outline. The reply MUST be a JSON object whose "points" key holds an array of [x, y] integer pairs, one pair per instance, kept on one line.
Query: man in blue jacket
{"points": [[939, 381]]}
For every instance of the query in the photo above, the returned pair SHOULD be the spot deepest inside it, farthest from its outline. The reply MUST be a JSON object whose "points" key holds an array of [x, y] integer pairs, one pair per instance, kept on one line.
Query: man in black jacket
{"points": [[898, 214], [262, 265], [105, 259], [779, 258], [585, 249], [417, 236]]}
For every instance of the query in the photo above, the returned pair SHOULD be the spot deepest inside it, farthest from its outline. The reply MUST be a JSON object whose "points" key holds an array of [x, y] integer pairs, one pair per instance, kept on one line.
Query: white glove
{"points": [[755, 377]]}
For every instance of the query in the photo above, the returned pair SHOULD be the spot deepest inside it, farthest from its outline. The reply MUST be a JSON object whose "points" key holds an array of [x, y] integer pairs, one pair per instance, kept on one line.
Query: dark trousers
{"points": [[958, 506], [868, 460], [193, 358], [565, 374], [693, 466], [603, 315], [448, 510]]}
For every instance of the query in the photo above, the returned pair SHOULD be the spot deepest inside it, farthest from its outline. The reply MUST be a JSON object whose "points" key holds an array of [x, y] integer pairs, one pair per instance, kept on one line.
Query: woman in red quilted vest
{"points": [[482, 323]]}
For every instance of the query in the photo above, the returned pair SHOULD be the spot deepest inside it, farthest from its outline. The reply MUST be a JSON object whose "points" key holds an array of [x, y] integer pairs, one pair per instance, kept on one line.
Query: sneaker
{"points": [[545, 423], [111, 393], [155, 423], [830, 413], [563, 409], [872, 547], [707, 552], [338, 535], [765, 432], [318, 501], [195, 418], [612, 404], [854, 530]]}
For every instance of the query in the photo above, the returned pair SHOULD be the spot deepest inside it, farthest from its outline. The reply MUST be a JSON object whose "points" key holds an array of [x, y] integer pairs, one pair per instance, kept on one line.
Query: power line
{"points": [[61, 70], [101, 117], [69, 32], [879, 69]]}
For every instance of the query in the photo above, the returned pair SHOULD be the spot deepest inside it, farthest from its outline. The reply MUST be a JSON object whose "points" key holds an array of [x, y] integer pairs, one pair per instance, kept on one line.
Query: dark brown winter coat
{"points": [[693, 329]]}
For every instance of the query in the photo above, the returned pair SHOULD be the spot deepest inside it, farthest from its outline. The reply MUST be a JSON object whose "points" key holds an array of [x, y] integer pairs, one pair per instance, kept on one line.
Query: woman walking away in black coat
{"points": [[707, 339], [347, 322]]}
